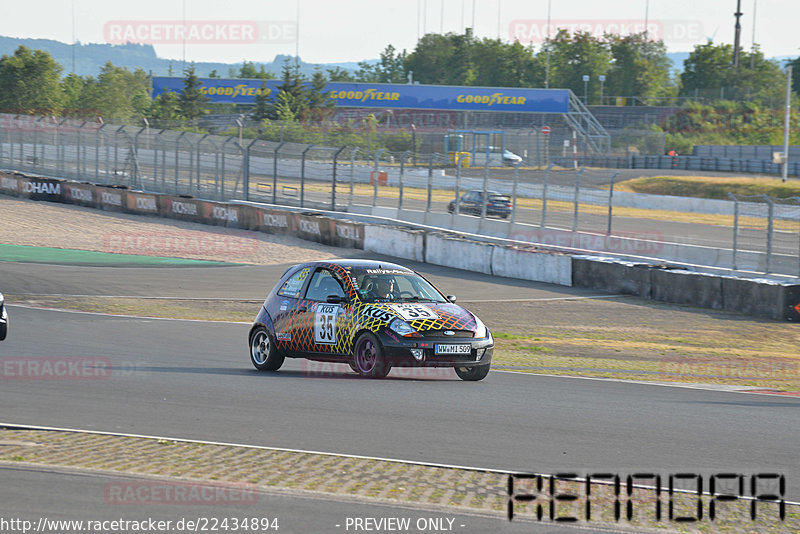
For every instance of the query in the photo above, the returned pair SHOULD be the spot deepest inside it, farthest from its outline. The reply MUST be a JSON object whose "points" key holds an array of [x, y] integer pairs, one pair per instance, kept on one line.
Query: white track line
{"points": [[333, 454]]}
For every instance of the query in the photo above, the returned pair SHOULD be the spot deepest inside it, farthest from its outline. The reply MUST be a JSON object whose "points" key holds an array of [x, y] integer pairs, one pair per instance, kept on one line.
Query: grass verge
{"points": [[710, 186]]}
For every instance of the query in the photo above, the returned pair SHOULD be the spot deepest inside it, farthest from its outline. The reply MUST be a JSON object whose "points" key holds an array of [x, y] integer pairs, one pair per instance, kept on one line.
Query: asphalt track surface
{"points": [[193, 380], [81, 496]]}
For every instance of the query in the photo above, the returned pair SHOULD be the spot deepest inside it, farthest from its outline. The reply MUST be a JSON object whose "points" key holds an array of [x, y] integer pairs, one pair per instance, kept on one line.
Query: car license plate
{"points": [[453, 349]]}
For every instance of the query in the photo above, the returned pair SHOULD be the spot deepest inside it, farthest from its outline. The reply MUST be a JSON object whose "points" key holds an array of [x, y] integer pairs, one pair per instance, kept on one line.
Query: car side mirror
{"points": [[451, 298], [335, 299]]}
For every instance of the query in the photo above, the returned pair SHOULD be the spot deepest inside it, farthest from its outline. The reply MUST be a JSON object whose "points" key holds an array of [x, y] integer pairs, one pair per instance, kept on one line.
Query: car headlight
{"points": [[480, 328], [401, 327]]}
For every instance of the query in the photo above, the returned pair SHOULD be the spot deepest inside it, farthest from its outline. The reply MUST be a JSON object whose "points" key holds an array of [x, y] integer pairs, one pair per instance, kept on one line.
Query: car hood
{"points": [[424, 316]]}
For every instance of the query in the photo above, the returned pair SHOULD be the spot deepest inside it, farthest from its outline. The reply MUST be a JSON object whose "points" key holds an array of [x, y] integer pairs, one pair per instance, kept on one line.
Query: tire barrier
{"points": [[665, 283]]}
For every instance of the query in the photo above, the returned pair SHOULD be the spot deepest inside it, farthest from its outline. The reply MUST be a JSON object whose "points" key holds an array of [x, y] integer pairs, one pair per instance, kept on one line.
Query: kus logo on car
{"points": [[378, 314]]}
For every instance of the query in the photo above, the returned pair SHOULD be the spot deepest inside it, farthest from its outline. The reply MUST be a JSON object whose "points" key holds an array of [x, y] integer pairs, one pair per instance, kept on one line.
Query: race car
{"points": [[370, 314], [470, 202], [3, 318]]}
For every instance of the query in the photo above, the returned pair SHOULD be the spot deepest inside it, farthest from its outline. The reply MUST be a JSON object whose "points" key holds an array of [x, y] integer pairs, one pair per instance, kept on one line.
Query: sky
{"points": [[332, 31]]}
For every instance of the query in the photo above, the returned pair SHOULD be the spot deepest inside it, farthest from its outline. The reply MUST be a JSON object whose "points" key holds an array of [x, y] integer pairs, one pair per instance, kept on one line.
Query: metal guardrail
{"points": [[565, 207]]}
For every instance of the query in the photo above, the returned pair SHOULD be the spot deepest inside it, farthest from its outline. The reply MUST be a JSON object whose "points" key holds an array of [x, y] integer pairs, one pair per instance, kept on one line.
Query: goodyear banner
{"points": [[398, 96]]}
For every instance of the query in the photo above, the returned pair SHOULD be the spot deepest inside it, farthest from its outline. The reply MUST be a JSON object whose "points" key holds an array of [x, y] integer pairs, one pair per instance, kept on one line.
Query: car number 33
{"points": [[325, 324]]}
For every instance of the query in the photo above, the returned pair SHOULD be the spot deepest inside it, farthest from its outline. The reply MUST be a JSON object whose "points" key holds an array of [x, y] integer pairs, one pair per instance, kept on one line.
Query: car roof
{"points": [[358, 263]]}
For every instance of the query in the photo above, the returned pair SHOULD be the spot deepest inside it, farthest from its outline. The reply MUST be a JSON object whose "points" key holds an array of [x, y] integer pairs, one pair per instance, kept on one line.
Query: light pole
{"points": [[585, 89], [786, 116], [602, 79]]}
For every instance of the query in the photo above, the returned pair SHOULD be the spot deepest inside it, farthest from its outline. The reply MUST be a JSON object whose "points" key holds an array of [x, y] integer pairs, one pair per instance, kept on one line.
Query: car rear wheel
{"points": [[368, 357], [473, 374], [263, 353]]}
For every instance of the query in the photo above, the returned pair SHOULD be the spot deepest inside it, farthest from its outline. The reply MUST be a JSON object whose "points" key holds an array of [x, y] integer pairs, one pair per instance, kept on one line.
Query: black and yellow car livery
{"points": [[372, 315]]}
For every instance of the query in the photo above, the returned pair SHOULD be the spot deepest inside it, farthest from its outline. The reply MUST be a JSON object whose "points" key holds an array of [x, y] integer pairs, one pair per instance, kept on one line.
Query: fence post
{"points": [[275, 172], [735, 229], [514, 197], [352, 172], [770, 228], [303, 175], [457, 209], [611, 201], [249, 151], [177, 164], [197, 173], [333, 187], [544, 195], [97, 135], [374, 177], [577, 199], [402, 178], [430, 183], [484, 196]]}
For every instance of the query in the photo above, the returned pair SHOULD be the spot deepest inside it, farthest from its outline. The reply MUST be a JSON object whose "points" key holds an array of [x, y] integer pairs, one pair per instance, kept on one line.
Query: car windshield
{"points": [[393, 285]]}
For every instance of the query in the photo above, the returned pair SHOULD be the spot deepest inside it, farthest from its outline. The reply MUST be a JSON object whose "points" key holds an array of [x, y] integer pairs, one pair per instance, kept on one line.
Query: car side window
{"points": [[292, 287], [322, 285]]}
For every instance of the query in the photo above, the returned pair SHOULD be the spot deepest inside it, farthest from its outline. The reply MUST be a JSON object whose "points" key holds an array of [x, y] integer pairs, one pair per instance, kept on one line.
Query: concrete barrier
{"points": [[34, 188], [272, 221], [396, 242], [529, 264], [80, 194], [686, 287], [754, 297], [346, 234], [141, 203], [9, 185], [457, 252], [313, 228], [614, 276], [181, 208], [110, 198], [221, 214]]}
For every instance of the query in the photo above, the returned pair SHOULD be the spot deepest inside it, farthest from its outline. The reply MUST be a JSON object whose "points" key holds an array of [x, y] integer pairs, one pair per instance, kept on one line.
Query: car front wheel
{"points": [[368, 357], [473, 374], [263, 353]]}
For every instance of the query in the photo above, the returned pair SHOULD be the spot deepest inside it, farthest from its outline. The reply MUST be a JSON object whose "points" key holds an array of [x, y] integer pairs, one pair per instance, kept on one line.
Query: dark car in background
{"points": [[497, 205], [3, 318], [372, 315]]}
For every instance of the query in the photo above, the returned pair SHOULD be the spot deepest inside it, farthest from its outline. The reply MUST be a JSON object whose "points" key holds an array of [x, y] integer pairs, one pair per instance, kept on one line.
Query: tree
{"points": [[191, 100], [431, 59], [319, 103], [165, 106], [293, 102], [29, 82], [116, 93], [795, 63], [338, 74], [71, 88], [640, 67], [389, 69], [261, 110], [709, 72], [248, 70], [574, 56]]}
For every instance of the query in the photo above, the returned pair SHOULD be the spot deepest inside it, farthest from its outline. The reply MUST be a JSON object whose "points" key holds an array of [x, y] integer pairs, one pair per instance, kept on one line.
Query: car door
{"points": [[317, 325], [285, 306]]}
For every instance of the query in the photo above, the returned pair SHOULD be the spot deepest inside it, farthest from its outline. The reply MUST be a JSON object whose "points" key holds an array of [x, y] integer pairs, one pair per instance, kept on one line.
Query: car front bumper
{"points": [[400, 351]]}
